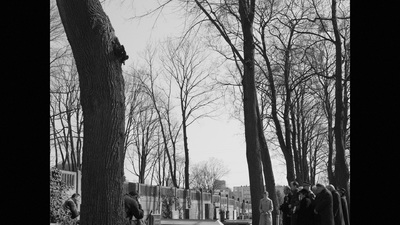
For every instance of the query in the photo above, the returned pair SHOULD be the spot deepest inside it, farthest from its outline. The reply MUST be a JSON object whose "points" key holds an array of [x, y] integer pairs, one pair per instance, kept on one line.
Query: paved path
{"points": [[190, 222], [237, 222]]}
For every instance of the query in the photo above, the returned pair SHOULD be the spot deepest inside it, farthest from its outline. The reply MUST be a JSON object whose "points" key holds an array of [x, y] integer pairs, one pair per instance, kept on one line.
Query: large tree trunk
{"points": [[246, 11], [341, 170], [92, 40]]}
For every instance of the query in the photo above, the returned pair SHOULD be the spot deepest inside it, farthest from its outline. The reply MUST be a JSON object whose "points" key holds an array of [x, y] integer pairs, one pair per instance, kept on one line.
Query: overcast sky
{"points": [[222, 138]]}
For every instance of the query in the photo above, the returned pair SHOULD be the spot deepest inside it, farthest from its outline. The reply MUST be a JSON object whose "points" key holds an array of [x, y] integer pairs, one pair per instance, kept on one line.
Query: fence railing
{"points": [[201, 206], [69, 178]]}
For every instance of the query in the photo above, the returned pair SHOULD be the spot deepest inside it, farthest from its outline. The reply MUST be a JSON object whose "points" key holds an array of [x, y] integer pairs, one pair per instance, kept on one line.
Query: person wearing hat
{"points": [[306, 212], [133, 207], [345, 208]]}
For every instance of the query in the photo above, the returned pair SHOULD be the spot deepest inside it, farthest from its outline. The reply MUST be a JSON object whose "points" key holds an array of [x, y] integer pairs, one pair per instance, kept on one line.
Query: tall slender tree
{"points": [[183, 62], [243, 12]]}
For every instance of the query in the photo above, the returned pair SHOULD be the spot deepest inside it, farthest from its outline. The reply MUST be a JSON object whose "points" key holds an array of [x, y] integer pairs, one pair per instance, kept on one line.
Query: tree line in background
{"points": [[288, 76], [297, 54]]}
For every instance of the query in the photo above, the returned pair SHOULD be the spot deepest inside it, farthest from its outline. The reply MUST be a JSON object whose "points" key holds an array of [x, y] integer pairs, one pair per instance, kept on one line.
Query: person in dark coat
{"points": [[294, 202], [324, 205], [71, 205], [337, 205], [306, 212], [132, 206], [316, 216], [345, 207], [285, 206]]}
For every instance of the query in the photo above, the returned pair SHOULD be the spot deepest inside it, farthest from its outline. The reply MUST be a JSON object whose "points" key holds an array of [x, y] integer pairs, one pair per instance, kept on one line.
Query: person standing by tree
{"points": [[345, 208], [266, 208], [71, 205], [337, 205], [294, 202], [324, 205], [285, 206], [133, 207], [243, 209]]}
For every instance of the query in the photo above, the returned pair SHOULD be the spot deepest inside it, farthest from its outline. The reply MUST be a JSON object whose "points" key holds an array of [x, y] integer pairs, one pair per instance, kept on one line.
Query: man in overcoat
{"points": [[345, 208], [324, 205], [294, 202], [306, 212], [133, 207], [266, 207], [337, 205], [286, 216]]}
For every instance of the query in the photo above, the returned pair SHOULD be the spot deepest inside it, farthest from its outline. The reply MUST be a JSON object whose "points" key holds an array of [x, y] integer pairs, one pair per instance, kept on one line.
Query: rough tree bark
{"points": [[94, 47]]}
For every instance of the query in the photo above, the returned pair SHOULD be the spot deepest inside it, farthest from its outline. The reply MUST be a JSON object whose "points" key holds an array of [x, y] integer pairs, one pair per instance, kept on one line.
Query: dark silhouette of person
{"points": [[345, 207], [294, 202], [286, 216], [324, 205], [306, 211], [71, 205], [133, 207]]}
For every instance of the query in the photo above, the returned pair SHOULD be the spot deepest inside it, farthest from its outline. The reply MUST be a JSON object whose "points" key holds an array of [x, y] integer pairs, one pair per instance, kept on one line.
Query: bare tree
{"points": [[66, 116], [98, 56], [205, 173], [141, 133], [160, 97], [330, 27], [241, 14], [182, 62], [58, 46]]}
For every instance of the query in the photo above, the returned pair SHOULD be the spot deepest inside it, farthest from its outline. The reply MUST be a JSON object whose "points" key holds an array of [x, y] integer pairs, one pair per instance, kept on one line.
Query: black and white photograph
{"points": [[200, 112]]}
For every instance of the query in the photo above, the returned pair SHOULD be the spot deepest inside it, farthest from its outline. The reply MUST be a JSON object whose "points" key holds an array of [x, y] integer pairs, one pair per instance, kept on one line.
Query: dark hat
{"points": [[133, 193], [305, 183], [304, 191]]}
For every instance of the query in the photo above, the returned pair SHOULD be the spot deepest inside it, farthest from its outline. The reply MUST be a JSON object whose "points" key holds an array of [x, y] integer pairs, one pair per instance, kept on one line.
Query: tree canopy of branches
{"points": [[65, 110], [205, 173], [183, 62]]}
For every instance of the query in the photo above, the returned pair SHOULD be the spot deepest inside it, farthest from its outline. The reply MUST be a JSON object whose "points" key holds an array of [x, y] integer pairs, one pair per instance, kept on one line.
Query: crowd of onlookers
{"points": [[314, 205]]}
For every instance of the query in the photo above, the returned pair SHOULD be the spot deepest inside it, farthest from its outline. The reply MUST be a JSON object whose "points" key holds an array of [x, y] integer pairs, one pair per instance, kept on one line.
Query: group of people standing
{"points": [[318, 205]]}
